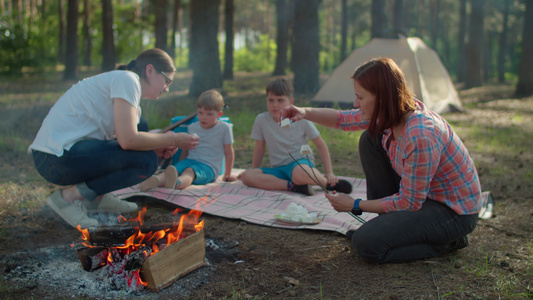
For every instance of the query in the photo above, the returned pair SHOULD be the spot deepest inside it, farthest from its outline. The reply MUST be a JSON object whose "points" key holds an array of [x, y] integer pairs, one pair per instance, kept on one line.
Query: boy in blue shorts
{"points": [[201, 165], [296, 173]]}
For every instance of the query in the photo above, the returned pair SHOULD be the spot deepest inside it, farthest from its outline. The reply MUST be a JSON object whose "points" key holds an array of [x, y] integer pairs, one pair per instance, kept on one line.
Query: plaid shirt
{"points": [[431, 160]]}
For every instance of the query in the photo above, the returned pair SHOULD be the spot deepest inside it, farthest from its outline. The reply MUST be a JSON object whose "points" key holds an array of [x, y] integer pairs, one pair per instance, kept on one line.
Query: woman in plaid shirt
{"points": [[420, 177]]}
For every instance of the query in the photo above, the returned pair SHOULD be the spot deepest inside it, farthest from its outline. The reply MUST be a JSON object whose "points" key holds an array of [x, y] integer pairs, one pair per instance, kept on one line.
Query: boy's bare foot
{"points": [[149, 183], [171, 176]]}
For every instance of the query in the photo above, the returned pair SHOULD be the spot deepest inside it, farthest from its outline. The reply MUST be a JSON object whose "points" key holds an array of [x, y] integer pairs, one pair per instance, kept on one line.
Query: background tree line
{"points": [[478, 40]]}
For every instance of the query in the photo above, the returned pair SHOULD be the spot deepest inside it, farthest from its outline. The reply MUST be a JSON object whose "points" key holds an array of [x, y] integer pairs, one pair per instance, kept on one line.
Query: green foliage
{"points": [[15, 50], [181, 59], [259, 58]]}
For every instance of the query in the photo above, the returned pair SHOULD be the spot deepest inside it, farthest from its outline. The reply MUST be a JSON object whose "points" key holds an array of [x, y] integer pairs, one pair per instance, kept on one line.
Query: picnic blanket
{"points": [[236, 201]]}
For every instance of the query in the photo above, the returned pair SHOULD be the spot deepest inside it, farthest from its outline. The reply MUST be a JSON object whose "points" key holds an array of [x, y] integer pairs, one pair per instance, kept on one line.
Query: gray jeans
{"points": [[403, 236]]}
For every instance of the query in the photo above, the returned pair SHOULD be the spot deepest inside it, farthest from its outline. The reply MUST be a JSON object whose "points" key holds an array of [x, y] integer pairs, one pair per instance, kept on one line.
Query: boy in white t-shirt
{"points": [[290, 169], [203, 164]]}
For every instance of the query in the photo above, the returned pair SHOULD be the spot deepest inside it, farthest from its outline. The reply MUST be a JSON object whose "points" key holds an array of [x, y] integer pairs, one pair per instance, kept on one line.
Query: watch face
{"points": [[357, 212]]}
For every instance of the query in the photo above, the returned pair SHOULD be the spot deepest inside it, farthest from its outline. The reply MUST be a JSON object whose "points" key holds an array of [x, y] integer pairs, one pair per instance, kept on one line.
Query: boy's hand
{"points": [[332, 179], [292, 112], [229, 177]]}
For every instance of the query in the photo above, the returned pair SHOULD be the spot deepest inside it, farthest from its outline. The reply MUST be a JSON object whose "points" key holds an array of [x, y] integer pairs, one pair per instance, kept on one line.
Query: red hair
{"points": [[383, 78]]}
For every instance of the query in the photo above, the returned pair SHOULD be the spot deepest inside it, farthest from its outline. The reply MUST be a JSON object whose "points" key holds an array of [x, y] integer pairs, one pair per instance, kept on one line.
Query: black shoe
{"points": [[305, 189], [343, 186], [460, 243]]}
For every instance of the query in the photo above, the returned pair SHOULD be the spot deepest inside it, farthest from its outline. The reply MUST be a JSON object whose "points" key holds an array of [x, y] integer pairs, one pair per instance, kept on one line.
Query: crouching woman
{"points": [[420, 177], [95, 141]]}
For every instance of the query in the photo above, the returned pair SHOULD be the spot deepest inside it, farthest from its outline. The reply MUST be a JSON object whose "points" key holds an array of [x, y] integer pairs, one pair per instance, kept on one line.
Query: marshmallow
{"points": [[285, 123], [305, 149], [298, 213]]}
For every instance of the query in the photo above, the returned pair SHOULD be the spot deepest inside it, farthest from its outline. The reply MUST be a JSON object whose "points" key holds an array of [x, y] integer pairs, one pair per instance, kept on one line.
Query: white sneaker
{"points": [[73, 213], [110, 203]]}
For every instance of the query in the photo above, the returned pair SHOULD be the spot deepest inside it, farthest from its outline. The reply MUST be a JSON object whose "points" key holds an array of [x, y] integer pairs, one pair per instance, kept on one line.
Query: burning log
{"points": [[136, 259], [112, 236], [93, 258]]}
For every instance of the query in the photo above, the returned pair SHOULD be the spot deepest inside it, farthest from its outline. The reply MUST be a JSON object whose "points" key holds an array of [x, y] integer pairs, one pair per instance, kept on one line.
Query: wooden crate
{"points": [[174, 261]]}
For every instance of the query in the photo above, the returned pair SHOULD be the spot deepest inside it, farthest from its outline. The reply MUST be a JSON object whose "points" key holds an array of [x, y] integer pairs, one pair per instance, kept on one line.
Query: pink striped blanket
{"points": [[237, 201]]}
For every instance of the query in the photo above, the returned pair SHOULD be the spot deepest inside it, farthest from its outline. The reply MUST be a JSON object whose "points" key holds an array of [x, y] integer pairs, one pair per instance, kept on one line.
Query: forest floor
{"points": [[245, 261]]}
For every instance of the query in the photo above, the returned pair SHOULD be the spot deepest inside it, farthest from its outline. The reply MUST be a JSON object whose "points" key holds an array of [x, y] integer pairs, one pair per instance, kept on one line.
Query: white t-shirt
{"points": [[86, 111], [210, 150], [280, 140]]}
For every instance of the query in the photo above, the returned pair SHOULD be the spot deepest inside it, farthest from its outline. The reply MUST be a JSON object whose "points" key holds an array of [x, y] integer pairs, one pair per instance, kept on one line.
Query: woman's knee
{"points": [[368, 143], [149, 162], [369, 247]]}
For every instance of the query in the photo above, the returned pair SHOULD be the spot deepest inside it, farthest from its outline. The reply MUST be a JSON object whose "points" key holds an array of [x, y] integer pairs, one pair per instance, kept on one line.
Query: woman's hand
{"points": [[184, 140], [166, 152], [292, 112], [340, 202]]}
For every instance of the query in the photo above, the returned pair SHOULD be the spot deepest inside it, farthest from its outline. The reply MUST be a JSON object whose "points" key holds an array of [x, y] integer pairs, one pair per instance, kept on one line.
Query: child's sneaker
{"points": [[110, 203], [73, 213], [305, 189], [342, 186]]}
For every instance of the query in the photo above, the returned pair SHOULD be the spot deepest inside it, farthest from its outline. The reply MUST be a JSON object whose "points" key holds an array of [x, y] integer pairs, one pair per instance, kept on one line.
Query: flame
{"points": [[140, 216], [85, 236], [151, 242]]}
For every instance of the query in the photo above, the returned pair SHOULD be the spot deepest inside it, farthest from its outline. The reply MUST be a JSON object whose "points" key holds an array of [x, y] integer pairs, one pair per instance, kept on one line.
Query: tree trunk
{"points": [[205, 61], [502, 42], [61, 38], [161, 29], [524, 87], [282, 37], [435, 8], [398, 19], [228, 48], [378, 18], [108, 41], [175, 27], [71, 57], [488, 52], [461, 45], [87, 41], [344, 30], [306, 46], [475, 44]]}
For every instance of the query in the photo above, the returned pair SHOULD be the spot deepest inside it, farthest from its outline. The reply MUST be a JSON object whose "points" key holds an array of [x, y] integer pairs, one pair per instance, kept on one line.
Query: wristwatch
{"points": [[356, 210]]}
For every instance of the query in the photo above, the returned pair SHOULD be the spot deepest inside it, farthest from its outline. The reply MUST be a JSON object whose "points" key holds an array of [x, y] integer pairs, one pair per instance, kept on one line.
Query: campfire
{"points": [[138, 256]]}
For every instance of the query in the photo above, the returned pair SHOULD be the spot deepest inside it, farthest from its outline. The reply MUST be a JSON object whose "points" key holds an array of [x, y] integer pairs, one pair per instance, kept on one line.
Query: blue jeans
{"points": [[403, 236], [97, 167]]}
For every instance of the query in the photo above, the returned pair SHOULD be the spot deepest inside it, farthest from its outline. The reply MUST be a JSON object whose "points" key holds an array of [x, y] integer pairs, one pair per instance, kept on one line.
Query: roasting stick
{"points": [[315, 179]]}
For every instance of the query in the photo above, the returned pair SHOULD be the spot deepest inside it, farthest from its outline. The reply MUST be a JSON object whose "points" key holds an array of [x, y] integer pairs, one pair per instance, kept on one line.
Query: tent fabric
{"points": [[425, 75]]}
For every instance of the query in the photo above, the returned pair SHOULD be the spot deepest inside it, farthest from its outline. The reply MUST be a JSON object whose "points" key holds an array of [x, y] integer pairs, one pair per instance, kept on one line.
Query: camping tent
{"points": [[425, 75]]}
